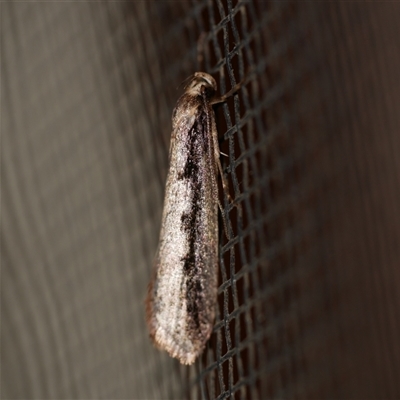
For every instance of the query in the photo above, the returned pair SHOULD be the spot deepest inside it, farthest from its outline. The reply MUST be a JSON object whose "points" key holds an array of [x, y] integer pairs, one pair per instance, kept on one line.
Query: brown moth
{"points": [[182, 294]]}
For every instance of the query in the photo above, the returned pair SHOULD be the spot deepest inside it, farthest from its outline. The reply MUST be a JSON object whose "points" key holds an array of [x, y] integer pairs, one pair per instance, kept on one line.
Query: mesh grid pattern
{"points": [[307, 302]]}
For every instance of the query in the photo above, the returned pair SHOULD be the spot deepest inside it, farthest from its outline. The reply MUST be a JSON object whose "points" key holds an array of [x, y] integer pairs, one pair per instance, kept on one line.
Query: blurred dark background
{"points": [[309, 298]]}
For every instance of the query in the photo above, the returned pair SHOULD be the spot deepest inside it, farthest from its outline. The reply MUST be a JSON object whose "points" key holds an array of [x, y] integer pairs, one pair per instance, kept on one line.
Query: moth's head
{"points": [[201, 83]]}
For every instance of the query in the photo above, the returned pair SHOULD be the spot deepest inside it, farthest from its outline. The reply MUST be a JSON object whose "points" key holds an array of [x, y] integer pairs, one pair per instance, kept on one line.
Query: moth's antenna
{"points": [[184, 82], [201, 44]]}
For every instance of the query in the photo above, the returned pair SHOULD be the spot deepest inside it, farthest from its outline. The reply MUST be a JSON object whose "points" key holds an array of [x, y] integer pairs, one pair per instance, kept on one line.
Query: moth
{"points": [[182, 293]]}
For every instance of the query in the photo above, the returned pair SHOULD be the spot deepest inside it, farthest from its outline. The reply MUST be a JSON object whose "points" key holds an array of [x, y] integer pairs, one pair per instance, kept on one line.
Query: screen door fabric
{"points": [[308, 298]]}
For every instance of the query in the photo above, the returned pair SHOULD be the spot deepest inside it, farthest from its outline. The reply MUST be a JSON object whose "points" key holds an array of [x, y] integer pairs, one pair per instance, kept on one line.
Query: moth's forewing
{"points": [[182, 294]]}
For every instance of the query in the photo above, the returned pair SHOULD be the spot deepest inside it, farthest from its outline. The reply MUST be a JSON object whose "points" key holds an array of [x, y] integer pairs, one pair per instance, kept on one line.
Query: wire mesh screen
{"points": [[307, 298]]}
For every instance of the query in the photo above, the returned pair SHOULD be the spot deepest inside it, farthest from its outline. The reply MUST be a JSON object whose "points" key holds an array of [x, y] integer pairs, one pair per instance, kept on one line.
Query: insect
{"points": [[182, 293]]}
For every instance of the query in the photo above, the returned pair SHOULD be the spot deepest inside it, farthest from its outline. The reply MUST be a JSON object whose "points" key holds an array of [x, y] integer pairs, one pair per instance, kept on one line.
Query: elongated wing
{"points": [[182, 294]]}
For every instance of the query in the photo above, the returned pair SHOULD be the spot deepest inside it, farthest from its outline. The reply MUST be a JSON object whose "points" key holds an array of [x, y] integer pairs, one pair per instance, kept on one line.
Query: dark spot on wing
{"points": [[197, 144]]}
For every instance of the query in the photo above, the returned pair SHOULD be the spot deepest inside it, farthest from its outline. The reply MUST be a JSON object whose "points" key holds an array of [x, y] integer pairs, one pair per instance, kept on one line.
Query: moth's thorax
{"points": [[197, 94], [201, 88]]}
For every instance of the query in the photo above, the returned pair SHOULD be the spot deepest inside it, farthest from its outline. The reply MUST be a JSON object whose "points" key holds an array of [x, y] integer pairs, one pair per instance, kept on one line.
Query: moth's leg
{"points": [[214, 135], [224, 220], [235, 89], [223, 98], [238, 206], [225, 184]]}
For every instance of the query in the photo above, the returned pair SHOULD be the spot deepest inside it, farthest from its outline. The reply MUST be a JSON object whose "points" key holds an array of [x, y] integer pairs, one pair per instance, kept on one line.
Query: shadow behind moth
{"points": [[182, 293]]}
